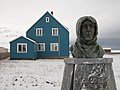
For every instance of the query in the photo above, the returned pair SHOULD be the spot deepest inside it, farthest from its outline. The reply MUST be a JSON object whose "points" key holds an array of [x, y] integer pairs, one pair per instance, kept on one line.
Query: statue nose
{"points": [[88, 28]]}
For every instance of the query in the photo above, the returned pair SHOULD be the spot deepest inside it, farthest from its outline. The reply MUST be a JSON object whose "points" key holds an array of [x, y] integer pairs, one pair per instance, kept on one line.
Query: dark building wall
{"points": [[47, 38]]}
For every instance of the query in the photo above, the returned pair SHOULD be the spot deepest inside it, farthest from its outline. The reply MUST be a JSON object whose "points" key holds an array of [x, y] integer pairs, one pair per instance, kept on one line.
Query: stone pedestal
{"points": [[88, 74]]}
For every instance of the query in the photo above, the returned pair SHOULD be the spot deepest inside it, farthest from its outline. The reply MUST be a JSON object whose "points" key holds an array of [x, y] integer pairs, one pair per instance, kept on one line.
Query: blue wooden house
{"points": [[47, 38]]}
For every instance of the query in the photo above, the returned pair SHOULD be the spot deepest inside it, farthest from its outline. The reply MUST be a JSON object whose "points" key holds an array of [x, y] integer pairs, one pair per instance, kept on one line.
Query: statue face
{"points": [[88, 30]]}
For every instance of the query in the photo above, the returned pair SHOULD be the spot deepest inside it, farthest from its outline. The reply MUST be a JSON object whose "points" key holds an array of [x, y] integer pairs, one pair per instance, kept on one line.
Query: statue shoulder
{"points": [[101, 51]]}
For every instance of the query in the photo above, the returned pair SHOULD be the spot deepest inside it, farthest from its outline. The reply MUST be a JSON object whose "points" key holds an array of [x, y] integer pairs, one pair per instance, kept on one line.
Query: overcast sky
{"points": [[20, 15]]}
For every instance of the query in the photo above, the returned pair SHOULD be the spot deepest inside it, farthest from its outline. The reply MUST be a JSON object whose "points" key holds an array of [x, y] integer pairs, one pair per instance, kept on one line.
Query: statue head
{"points": [[87, 29], [86, 43]]}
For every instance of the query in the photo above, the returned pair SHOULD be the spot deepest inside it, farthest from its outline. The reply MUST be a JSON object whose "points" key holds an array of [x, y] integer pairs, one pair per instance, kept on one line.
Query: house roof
{"points": [[25, 38], [59, 22], [52, 17], [30, 40]]}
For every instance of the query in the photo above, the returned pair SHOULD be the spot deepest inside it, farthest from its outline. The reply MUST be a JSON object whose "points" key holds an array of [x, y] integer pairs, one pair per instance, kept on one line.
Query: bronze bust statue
{"points": [[86, 43]]}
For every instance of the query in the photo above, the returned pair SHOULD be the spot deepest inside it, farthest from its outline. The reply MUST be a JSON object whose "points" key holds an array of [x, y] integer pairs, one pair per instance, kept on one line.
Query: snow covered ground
{"points": [[42, 74]]}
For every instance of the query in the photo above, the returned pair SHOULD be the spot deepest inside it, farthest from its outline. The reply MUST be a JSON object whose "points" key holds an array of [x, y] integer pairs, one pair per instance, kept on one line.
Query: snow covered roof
{"points": [[25, 38], [31, 40], [115, 51]]}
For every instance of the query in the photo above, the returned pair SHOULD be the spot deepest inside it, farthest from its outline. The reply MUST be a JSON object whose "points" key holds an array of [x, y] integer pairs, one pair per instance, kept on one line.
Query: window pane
{"points": [[47, 19], [39, 31], [41, 47], [24, 48], [19, 48], [54, 47], [55, 31]]}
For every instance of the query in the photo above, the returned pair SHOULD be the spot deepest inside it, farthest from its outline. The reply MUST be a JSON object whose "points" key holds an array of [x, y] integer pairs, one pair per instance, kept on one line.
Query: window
{"points": [[21, 47], [54, 31], [54, 47], [39, 31], [41, 47], [47, 19]]}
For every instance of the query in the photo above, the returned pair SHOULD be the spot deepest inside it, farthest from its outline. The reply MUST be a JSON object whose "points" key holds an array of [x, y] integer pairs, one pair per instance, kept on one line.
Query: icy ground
{"points": [[42, 74]]}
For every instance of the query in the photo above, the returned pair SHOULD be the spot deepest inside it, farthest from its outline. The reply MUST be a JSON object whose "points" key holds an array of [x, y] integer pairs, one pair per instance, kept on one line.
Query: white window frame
{"points": [[43, 47], [22, 51], [47, 19], [39, 30], [56, 34], [52, 48]]}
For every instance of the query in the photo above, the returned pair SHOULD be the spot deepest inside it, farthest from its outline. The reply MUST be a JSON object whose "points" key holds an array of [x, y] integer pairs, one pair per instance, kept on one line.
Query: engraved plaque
{"points": [[90, 77]]}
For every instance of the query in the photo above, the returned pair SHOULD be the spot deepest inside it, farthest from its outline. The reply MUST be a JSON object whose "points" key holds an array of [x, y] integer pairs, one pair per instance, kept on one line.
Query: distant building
{"points": [[47, 38], [115, 51], [107, 50]]}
